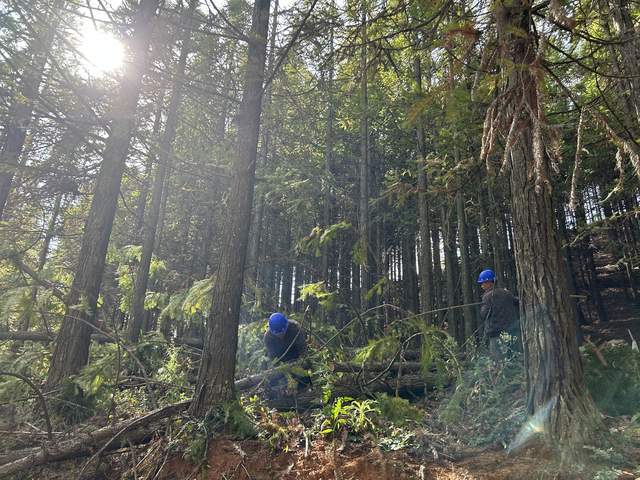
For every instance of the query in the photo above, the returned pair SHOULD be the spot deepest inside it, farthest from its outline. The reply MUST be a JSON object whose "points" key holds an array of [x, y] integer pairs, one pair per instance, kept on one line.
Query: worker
{"points": [[284, 340], [499, 311]]}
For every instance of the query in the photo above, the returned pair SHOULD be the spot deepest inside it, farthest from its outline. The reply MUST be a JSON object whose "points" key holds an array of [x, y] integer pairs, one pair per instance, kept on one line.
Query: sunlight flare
{"points": [[102, 52]]}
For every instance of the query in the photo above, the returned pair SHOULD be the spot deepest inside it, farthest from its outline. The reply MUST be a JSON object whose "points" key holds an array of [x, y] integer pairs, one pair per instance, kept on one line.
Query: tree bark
{"points": [[217, 368], [165, 154], [141, 204], [555, 379], [451, 272], [363, 167], [327, 206], [437, 267], [72, 348], [426, 261], [465, 272]]}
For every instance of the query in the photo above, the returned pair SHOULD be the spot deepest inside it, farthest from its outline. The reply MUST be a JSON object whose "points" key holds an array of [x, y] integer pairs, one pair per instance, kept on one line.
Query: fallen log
{"points": [[26, 336], [377, 366], [85, 443]]}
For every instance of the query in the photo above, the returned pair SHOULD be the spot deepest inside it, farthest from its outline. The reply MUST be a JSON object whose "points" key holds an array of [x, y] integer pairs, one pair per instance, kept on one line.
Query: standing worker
{"points": [[499, 311]]}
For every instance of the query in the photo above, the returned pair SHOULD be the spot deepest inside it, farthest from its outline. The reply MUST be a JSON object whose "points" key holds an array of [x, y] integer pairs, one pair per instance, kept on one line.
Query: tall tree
{"points": [[165, 154], [424, 215], [72, 346], [217, 368], [555, 379], [22, 104], [363, 166]]}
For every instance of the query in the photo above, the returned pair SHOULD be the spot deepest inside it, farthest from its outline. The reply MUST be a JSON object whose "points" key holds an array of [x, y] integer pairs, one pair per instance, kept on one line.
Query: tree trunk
{"points": [[451, 272], [586, 252], [363, 203], [165, 154], [426, 261], [141, 204], [327, 206], [21, 107], [437, 267], [628, 45], [42, 259], [256, 232], [497, 235], [465, 272], [287, 270], [555, 379], [72, 348], [216, 376]]}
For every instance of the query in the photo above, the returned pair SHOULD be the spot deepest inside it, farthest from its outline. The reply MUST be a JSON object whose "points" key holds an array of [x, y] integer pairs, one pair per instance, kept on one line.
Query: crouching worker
{"points": [[499, 311], [286, 342]]}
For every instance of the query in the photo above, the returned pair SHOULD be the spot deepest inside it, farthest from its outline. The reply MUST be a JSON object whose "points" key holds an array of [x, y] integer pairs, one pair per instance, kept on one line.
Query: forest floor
{"points": [[435, 452], [251, 459], [449, 459]]}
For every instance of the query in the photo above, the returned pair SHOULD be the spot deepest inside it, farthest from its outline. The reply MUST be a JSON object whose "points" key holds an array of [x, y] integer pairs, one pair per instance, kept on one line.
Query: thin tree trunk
{"points": [[216, 376], [426, 261], [21, 108], [42, 260], [497, 235], [363, 203], [451, 272], [165, 154], [257, 233], [72, 347], [141, 204], [586, 252], [410, 274], [437, 267], [327, 206], [465, 273]]}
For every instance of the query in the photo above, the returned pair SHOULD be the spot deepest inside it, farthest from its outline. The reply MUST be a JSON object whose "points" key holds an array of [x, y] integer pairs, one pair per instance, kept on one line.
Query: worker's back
{"points": [[499, 311], [278, 347]]}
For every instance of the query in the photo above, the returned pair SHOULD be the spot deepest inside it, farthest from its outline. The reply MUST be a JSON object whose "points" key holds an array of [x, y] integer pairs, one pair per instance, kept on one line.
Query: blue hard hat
{"points": [[278, 323], [487, 276]]}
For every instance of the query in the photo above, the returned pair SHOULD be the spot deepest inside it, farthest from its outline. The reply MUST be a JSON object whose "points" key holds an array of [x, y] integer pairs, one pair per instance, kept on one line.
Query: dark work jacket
{"points": [[499, 311], [294, 336]]}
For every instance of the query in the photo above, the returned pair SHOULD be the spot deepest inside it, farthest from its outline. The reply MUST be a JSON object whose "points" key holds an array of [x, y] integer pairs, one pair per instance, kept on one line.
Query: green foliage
{"points": [[174, 374], [229, 419], [378, 349], [616, 387], [319, 291], [251, 354], [437, 349], [127, 260], [72, 405], [192, 305], [487, 403], [355, 416], [281, 431], [321, 237], [398, 410], [396, 438]]}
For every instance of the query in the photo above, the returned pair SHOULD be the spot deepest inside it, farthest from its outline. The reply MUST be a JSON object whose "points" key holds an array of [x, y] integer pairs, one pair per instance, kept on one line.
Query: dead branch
{"points": [[85, 443], [26, 336], [43, 403]]}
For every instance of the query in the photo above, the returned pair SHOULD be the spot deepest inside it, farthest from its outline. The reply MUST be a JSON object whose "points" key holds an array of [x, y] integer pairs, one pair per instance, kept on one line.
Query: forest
{"points": [[320, 239]]}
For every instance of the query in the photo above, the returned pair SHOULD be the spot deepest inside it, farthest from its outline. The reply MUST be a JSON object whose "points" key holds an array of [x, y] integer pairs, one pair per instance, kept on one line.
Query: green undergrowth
{"points": [[486, 405], [615, 383]]}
